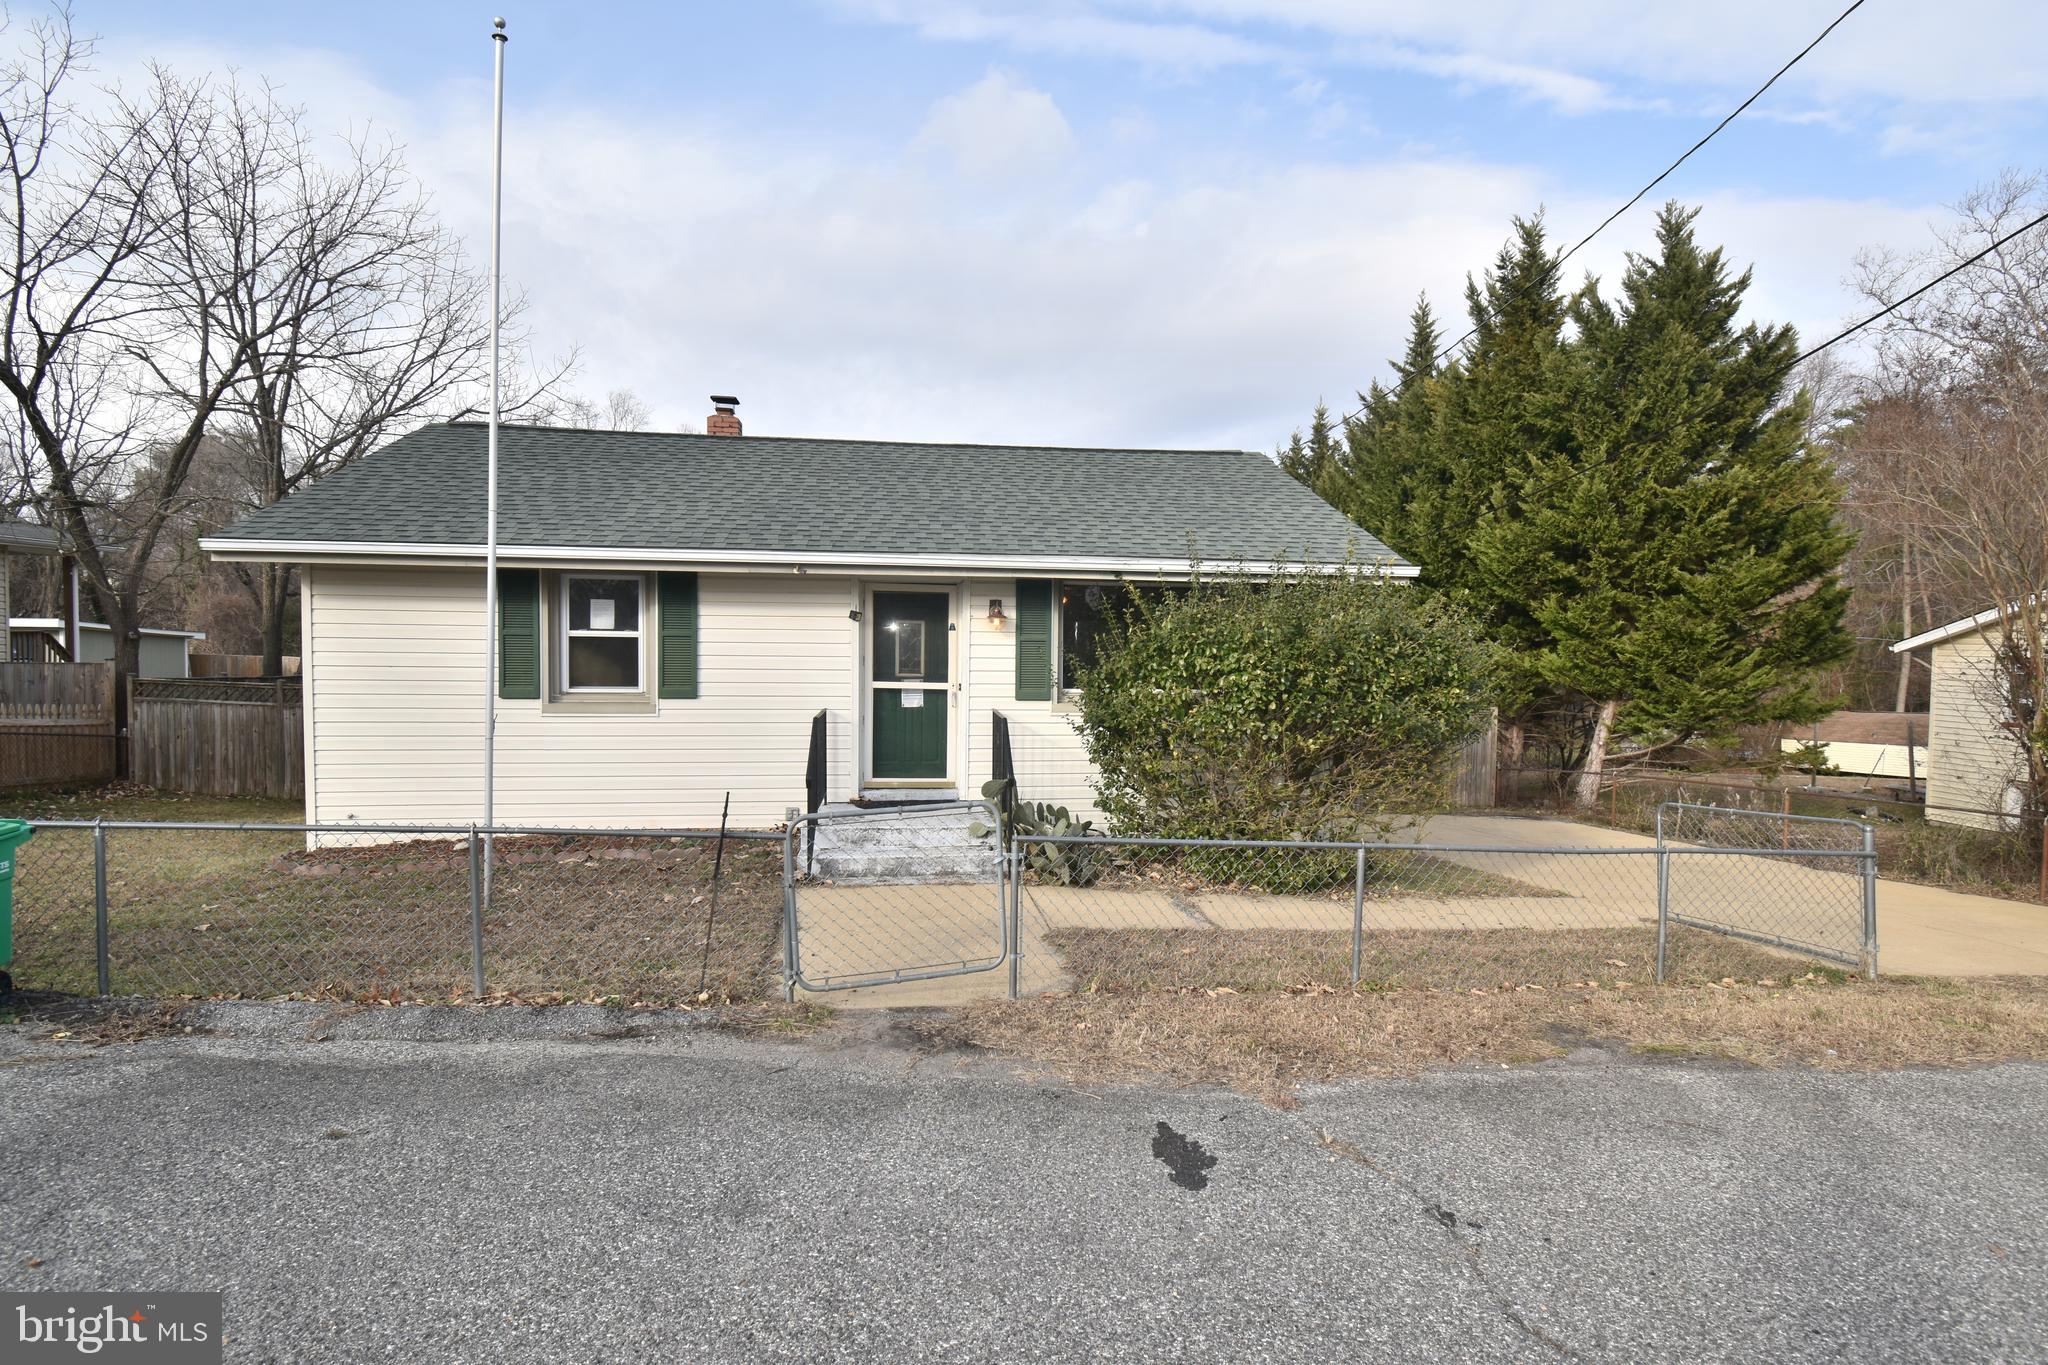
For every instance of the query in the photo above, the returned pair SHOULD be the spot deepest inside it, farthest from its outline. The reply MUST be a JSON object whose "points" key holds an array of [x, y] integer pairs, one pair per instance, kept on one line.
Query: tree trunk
{"points": [[272, 598], [1905, 628], [125, 622], [1588, 791]]}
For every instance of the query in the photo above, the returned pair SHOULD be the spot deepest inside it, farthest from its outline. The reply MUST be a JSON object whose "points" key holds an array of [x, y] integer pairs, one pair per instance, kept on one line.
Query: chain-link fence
{"points": [[910, 894], [896, 895], [1799, 882], [1156, 914], [397, 911]]}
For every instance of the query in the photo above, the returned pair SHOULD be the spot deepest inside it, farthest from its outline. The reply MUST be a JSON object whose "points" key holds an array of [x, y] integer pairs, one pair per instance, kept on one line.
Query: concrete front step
{"points": [[899, 796], [914, 844]]}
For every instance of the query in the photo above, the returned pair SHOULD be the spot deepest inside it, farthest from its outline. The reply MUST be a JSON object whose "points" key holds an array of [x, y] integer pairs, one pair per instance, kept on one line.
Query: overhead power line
{"points": [[1899, 303], [1662, 175]]}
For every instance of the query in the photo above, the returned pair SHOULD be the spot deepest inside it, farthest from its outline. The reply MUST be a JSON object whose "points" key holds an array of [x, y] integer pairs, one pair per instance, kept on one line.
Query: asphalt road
{"points": [[444, 1186]]}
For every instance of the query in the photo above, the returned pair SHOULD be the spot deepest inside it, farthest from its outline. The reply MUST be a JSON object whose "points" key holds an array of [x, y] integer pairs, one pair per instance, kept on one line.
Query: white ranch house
{"points": [[677, 609]]}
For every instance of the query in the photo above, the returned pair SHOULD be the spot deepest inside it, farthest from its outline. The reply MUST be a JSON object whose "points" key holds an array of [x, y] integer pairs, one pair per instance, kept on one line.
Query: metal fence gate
{"points": [[894, 894], [1805, 883]]}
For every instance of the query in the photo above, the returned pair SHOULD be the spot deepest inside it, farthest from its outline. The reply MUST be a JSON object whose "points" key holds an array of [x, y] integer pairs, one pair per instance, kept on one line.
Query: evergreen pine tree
{"points": [[1387, 446], [1665, 535], [1312, 461]]}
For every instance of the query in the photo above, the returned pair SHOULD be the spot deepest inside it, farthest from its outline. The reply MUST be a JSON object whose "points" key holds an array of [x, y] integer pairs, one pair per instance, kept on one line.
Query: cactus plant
{"points": [[1060, 864]]}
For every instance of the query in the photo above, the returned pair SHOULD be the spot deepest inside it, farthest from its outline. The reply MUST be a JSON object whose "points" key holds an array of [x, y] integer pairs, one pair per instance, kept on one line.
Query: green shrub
{"points": [[1304, 706]]}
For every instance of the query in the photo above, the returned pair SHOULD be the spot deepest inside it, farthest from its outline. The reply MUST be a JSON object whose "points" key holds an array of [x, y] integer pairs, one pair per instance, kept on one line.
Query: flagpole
{"points": [[498, 41]]}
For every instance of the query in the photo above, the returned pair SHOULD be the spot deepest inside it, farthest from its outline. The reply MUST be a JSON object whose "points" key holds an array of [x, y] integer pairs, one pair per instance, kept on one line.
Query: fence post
{"points": [[1870, 901], [1785, 832], [1014, 859], [1663, 896], [2044, 859], [99, 907], [476, 918], [789, 907], [1358, 922]]}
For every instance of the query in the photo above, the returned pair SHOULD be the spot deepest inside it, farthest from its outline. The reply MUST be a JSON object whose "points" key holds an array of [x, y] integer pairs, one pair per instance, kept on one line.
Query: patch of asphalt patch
{"points": [[1187, 1164]]}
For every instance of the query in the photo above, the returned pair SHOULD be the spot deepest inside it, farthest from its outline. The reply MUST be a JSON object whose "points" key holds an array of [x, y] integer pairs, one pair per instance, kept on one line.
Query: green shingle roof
{"points": [[776, 495]]}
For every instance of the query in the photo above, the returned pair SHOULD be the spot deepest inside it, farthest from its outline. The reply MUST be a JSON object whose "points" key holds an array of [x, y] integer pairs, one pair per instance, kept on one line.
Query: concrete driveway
{"points": [[513, 1186], [1921, 930]]}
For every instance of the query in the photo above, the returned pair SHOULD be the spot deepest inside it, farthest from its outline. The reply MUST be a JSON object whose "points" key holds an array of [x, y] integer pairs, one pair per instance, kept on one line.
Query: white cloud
{"points": [[1068, 29], [1978, 52], [1567, 93], [997, 128], [874, 294]]}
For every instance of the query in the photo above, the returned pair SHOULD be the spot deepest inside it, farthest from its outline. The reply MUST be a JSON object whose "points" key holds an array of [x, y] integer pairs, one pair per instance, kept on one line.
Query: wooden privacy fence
{"points": [[237, 665], [1475, 771], [218, 737], [56, 724]]}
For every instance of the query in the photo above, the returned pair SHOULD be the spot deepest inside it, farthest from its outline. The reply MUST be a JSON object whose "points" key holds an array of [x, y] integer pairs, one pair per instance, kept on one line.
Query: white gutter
{"points": [[52, 623], [754, 561], [1952, 629]]}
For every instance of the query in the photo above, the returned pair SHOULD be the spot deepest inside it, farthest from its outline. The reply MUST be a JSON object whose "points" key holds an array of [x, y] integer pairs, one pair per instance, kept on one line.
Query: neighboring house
{"points": [[18, 540], [164, 653], [676, 609], [1975, 765], [1868, 743]]}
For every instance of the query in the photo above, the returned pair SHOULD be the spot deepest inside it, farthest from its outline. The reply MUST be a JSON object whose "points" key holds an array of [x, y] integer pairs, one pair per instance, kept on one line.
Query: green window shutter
{"points": [[1034, 639], [676, 672], [519, 634]]}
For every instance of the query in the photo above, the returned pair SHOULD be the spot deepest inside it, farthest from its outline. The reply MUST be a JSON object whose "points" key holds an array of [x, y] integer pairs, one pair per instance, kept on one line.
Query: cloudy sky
{"points": [[1140, 222]]}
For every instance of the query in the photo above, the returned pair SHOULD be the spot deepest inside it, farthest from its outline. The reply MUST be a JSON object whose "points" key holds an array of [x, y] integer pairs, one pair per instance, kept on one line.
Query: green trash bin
{"points": [[13, 834]]}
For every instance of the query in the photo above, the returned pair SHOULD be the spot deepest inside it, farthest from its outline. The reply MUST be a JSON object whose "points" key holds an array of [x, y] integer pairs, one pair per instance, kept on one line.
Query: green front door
{"points": [[912, 650]]}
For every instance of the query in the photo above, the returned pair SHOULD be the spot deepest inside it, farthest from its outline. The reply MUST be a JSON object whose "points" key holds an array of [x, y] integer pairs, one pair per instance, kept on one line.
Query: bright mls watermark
{"points": [[164, 1329]]}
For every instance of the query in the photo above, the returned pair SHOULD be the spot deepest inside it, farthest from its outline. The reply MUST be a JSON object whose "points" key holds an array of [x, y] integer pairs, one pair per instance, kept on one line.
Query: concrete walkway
{"points": [[1921, 930]]}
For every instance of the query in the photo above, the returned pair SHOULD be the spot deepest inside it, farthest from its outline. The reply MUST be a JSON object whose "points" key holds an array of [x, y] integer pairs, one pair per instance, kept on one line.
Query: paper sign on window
{"points": [[913, 700], [602, 616]]}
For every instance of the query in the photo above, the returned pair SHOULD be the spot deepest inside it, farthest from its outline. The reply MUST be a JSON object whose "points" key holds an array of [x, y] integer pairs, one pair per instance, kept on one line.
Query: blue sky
{"points": [[1152, 222]]}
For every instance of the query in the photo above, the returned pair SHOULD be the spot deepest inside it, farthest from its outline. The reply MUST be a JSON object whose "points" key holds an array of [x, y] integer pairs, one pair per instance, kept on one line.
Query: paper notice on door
{"points": [[913, 700], [601, 614]]}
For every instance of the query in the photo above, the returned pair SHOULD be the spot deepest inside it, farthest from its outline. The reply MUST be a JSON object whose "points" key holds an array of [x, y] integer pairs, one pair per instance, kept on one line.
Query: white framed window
{"points": [[1082, 611], [603, 632]]}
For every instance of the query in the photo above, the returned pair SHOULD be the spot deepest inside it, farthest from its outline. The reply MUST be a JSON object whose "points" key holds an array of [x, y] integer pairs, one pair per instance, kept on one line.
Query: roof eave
{"points": [[26, 538], [240, 550], [1942, 634]]}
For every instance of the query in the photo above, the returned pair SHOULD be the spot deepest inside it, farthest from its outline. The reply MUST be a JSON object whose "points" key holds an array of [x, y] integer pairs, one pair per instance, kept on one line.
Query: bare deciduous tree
{"points": [[356, 314], [92, 208], [1962, 372], [206, 310]]}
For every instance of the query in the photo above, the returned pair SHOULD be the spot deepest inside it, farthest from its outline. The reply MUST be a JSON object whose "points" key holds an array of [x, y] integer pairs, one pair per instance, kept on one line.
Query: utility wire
{"points": [[1662, 175], [1897, 304]]}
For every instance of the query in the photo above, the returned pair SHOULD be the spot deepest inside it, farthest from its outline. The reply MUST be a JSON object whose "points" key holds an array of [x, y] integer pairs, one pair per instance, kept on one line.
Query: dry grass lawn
{"points": [[1268, 1043], [1252, 960], [253, 913]]}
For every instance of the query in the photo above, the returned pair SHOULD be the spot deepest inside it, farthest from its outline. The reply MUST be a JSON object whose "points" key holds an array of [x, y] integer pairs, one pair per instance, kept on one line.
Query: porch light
{"points": [[995, 612]]}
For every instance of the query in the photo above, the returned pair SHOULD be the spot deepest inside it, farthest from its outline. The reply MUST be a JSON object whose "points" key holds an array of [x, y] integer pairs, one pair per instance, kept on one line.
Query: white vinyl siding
{"points": [[395, 659], [1971, 761], [1052, 762]]}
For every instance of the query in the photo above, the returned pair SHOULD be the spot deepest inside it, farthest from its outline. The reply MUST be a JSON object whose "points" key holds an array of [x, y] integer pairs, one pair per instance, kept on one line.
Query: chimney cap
{"points": [[725, 400]]}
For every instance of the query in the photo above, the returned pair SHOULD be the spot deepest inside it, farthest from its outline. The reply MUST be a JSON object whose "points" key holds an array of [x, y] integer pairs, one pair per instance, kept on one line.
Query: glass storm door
{"points": [[912, 654]]}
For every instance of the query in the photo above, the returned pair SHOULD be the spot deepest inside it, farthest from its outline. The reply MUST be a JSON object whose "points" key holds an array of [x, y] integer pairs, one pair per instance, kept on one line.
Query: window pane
{"points": [[909, 649], [603, 661], [1084, 608], [604, 604]]}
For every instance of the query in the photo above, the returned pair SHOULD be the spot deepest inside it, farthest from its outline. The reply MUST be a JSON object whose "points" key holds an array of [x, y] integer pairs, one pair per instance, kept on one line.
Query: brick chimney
{"points": [[723, 421]]}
